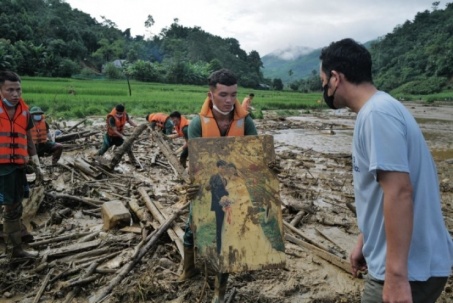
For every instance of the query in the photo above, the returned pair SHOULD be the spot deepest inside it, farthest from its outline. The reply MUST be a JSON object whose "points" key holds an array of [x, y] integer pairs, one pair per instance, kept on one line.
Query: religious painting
{"points": [[236, 216]]}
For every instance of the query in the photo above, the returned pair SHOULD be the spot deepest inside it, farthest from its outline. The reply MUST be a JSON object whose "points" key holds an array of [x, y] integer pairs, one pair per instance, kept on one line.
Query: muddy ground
{"points": [[313, 151]]}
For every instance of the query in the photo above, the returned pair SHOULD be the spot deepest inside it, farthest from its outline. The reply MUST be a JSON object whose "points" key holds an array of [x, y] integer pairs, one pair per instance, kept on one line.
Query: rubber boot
{"points": [[13, 237], [189, 269], [57, 150], [220, 286]]}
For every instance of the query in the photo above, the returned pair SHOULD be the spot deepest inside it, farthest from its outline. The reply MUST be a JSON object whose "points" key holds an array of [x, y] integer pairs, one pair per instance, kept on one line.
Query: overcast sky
{"points": [[264, 25]]}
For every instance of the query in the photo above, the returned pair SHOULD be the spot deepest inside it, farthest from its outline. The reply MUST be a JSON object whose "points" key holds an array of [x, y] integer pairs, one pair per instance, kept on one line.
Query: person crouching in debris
{"points": [[41, 137], [116, 120], [160, 121], [247, 103], [181, 126], [16, 148]]}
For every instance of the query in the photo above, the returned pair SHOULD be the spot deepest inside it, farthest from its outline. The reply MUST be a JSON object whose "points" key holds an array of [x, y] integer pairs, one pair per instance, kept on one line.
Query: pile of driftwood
{"points": [[74, 256]]}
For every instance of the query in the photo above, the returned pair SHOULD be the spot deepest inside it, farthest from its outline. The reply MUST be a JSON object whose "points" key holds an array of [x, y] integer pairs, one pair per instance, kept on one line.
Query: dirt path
{"points": [[316, 186]]}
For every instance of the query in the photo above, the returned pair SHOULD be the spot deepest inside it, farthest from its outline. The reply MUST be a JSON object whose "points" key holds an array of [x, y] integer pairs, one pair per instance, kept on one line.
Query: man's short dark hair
{"points": [[222, 76], [349, 58], [119, 108], [7, 75], [147, 116], [221, 163], [175, 114], [252, 95]]}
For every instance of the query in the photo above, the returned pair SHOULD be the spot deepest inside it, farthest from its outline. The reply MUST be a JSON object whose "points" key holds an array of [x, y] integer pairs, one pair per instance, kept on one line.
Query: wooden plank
{"points": [[72, 248]]}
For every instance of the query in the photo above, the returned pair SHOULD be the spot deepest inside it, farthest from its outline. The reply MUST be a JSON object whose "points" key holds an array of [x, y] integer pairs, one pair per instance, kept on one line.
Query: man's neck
{"points": [[359, 95]]}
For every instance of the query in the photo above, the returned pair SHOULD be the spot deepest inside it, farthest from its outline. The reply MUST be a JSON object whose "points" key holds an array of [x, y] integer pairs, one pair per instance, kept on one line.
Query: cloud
{"points": [[264, 25]]}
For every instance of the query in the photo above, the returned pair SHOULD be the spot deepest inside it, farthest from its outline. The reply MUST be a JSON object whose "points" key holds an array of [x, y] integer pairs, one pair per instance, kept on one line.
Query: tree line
{"points": [[49, 38]]}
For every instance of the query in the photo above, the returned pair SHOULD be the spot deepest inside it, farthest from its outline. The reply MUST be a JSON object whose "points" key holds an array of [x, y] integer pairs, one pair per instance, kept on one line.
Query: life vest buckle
{"points": [[14, 135]]}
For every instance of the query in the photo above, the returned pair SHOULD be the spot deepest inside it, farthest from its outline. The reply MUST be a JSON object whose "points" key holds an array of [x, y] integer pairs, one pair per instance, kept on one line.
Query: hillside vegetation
{"points": [[49, 38]]}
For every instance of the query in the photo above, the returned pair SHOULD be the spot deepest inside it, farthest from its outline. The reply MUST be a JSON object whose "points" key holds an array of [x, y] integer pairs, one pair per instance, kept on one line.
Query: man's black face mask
{"points": [[328, 99]]}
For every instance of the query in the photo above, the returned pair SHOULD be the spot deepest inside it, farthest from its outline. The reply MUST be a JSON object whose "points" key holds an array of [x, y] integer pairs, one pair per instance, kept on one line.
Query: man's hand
{"points": [[275, 167], [179, 150], [357, 259], [38, 169]]}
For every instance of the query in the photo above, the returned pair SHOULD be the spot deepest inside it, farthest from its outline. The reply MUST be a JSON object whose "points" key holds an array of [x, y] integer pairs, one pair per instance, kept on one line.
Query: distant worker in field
{"points": [[162, 121], [116, 120], [181, 127], [247, 103], [42, 138]]}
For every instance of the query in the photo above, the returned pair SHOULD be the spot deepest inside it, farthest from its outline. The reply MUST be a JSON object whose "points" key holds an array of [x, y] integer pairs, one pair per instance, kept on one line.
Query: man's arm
{"points": [[398, 218], [30, 144], [250, 129], [130, 121], [194, 128]]}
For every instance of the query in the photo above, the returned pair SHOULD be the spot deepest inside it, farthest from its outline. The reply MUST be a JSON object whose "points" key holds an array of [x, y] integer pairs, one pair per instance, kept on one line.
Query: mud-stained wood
{"points": [[86, 168], [150, 242], [168, 153], [335, 260], [76, 125], [43, 286], [73, 198], [127, 145], [74, 136], [72, 248], [140, 212], [58, 239], [161, 218]]}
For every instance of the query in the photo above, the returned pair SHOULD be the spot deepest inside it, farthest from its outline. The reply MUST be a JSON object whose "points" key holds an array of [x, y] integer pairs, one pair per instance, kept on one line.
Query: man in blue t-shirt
{"points": [[403, 243]]}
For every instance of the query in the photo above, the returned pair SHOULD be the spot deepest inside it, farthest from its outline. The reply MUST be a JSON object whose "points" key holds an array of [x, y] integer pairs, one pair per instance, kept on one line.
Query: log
{"points": [[76, 289], [175, 232], [57, 239], [306, 239], [70, 249], [86, 168], [69, 197], [127, 145], [297, 218], [331, 258], [43, 286], [168, 153], [150, 241], [77, 124], [74, 136], [140, 212]]}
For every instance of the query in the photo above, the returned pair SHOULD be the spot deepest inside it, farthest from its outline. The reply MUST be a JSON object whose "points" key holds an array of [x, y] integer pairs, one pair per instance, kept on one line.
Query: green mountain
{"points": [[293, 69], [415, 59]]}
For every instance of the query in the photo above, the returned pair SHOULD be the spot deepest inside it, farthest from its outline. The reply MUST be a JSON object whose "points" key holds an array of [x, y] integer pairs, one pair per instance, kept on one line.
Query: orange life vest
{"points": [[159, 118], [246, 103], [39, 131], [13, 134], [182, 123], [119, 123], [209, 127]]}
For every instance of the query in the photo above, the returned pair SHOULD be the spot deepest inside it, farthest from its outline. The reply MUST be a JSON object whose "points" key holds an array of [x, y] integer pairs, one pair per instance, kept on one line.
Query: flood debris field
{"points": [[80, 262]]}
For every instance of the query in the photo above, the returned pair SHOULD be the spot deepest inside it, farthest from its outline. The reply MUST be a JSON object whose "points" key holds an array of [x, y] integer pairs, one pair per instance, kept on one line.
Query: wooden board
{"points": [[237, 220]]}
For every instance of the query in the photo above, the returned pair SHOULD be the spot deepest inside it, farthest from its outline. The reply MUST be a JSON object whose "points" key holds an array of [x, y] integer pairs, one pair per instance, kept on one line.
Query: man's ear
{"points": [[336, 75]]}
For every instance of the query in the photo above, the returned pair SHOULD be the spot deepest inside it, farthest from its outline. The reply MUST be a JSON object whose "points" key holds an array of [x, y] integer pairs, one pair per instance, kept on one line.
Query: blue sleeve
{"points": [[385, 142]]}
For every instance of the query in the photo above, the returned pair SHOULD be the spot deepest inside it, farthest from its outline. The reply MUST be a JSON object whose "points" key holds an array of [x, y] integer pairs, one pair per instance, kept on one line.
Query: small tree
{"points": [[277, 84]]}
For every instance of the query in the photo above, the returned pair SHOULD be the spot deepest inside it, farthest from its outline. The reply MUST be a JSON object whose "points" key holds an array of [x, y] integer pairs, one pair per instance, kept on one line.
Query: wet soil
{"points": [[313, 152]]}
